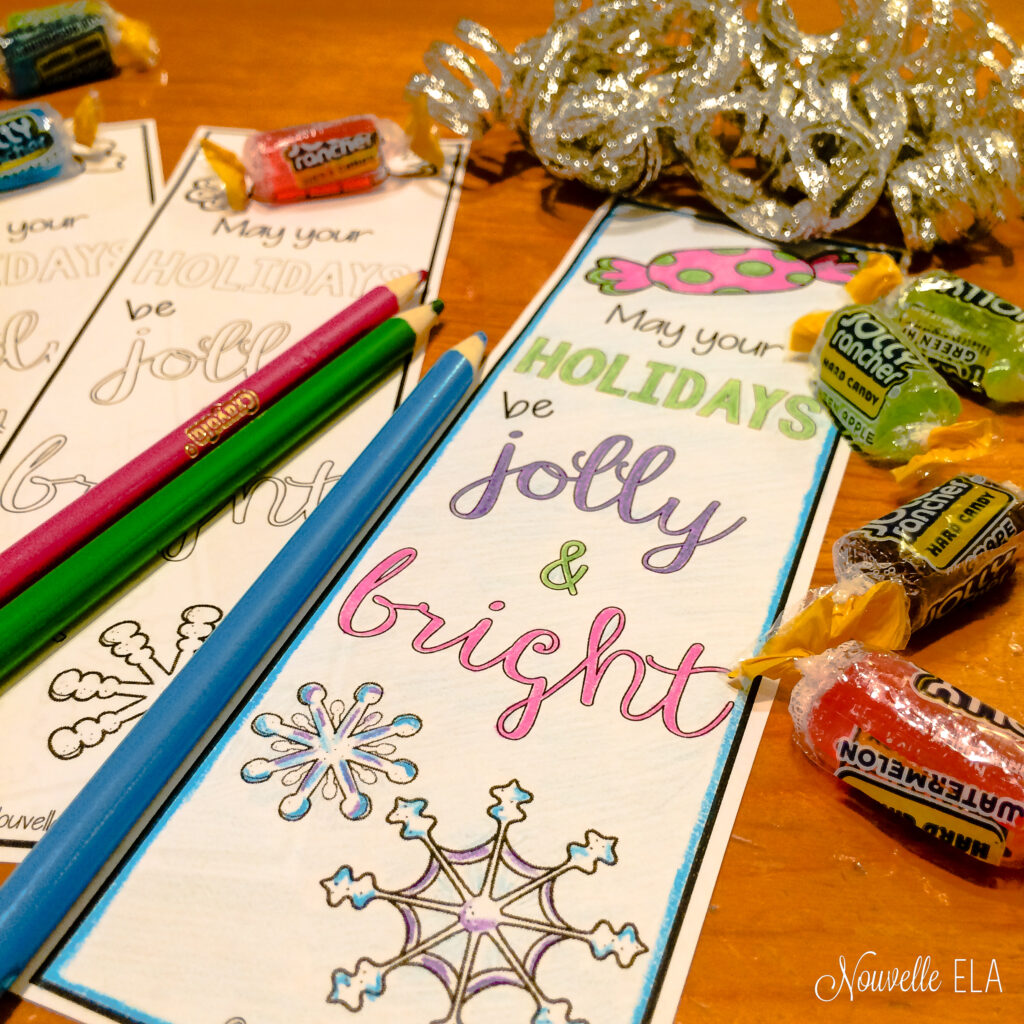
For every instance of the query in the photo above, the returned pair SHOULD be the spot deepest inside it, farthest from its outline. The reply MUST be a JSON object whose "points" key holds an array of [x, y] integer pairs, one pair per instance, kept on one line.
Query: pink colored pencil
{"points": [[66, 531]]}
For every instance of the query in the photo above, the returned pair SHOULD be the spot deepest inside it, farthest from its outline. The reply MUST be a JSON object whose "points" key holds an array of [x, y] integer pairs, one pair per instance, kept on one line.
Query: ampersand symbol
{"points": [[571, 550]]}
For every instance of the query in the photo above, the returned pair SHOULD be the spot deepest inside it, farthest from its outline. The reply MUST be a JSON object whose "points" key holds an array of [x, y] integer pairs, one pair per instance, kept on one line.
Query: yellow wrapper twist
{"points": [[951, 444], [879, 275], [804, 333], [422, 134], [230, 170], [880, 617], [86, 119]]}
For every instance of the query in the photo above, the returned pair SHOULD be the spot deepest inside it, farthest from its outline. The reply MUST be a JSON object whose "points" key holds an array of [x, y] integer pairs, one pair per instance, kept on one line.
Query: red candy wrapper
{"points": [[941, 759], [323, 159], [327, 158]]}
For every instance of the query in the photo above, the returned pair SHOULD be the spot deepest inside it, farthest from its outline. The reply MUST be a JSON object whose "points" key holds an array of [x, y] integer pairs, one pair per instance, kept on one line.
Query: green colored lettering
{"points": [[764, 401], [646, 393], [550, 360], [597, 360], [685, 378], [727, 398], [607, 384], [802, 426]]}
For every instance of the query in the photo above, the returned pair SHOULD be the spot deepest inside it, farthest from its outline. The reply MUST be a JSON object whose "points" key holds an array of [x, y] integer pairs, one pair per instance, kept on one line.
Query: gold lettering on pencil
{"points": [[219, 418]]}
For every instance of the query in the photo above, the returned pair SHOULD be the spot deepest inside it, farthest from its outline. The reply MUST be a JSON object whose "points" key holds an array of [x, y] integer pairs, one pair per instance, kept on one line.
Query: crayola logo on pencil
{"points": [[219, 418]]}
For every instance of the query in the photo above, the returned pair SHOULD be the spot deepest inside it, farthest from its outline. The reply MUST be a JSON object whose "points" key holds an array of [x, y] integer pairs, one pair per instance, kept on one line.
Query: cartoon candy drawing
{"points": [[720, 272]]}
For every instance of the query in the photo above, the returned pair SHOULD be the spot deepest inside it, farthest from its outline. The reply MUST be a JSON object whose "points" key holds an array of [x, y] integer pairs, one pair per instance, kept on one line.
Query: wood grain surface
{"points": [[810, 875]]}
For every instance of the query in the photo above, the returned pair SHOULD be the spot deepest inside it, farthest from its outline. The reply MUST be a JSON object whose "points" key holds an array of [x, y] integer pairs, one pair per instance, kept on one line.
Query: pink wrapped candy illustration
{"points": [[720, 272]]}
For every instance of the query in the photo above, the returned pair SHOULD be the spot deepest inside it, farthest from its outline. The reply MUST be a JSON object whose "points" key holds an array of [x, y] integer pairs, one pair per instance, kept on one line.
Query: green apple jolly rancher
{"points": [[970, 335], [879, 388]]}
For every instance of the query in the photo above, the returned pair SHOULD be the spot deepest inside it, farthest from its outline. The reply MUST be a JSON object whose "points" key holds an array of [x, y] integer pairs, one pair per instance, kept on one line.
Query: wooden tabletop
{"points": [[809, 876]]}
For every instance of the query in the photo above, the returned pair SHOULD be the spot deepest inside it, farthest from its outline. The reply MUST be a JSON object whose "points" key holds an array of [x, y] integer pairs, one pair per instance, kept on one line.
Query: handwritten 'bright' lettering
{"points": [[516, 721]]}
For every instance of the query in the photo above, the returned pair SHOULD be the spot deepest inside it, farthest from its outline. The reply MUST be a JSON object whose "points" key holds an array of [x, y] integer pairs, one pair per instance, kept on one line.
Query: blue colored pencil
{"points": [[45, 886]]}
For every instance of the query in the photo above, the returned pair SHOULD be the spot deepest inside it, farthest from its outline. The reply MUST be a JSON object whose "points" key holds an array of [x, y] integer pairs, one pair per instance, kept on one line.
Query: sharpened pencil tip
{"points": [[473, 348], [405, 287]]}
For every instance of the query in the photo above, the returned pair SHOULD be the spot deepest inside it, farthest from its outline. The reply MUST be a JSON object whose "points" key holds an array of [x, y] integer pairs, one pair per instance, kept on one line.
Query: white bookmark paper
{"points": [[206, 297], [61, 244], [492, 776]]}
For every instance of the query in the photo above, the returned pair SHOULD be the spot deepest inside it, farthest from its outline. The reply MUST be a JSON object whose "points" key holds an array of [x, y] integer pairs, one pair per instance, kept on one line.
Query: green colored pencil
{"points": [[71, 588]]}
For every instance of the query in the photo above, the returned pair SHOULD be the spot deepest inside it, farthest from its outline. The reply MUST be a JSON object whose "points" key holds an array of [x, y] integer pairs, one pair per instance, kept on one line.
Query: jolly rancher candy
{"points": [[945, 547], [34, 147], [970, 335], [326, 158], [68, 44], [901, 572], [882, 393], [941, 759]]}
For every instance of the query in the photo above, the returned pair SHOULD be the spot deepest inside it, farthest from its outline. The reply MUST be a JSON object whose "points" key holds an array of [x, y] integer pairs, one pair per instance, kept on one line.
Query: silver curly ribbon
{"points": [[791, 135]]}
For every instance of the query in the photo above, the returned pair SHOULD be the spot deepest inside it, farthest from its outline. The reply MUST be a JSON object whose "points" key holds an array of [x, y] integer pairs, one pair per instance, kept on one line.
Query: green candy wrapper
{"points": [[879, 388], [974, 338]]}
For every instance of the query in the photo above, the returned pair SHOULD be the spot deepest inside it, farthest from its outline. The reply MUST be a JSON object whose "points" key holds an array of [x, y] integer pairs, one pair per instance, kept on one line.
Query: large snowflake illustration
{"points": [[125, 698], [503, 945], [334, 749]]}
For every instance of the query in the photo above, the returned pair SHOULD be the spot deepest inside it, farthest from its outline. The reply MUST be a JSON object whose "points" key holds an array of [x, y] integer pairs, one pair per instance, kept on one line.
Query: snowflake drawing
{"points": [[491, 940], [333, 749], [125, 698]]}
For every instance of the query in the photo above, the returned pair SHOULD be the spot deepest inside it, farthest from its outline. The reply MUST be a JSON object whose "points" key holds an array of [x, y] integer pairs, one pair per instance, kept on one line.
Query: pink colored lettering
{"points": [[517, 720]]}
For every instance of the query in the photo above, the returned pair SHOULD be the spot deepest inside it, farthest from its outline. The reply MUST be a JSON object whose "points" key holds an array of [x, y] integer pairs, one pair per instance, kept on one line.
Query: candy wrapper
{"points": [[69, 44], [941, 759], [327, 158], [37, 145], [971, 336], [947, 546], [974, 338], [953, 341], [903, 571], [882, 393]]}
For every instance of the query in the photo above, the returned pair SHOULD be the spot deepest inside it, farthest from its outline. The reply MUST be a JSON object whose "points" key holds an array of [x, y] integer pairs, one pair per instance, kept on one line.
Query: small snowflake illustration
{"points": [[503, 945], [126, 698], [333, 749]]}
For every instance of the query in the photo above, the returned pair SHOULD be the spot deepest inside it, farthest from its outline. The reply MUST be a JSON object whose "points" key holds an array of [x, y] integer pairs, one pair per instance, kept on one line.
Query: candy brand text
{"points": [[869, 345], [304, 155], [970, 294], [951, 696]]}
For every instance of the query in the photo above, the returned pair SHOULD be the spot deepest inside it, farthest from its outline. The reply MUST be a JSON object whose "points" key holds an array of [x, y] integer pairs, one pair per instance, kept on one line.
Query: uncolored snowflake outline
{"points": [[127, 699]]}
